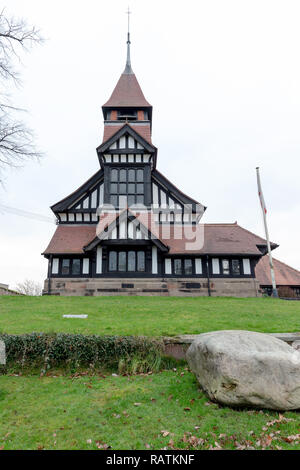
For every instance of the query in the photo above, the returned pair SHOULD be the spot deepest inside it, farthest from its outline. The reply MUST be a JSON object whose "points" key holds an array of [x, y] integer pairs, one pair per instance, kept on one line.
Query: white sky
{"points": [[223, 77]]}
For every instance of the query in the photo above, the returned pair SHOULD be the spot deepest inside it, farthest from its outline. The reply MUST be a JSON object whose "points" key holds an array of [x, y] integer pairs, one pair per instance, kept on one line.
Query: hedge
{"points": [[61, 349]]}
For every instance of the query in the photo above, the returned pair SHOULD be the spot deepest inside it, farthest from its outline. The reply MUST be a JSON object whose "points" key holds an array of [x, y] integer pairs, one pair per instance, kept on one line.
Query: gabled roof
{"points": [[211, 239], [144, 130], [135, 131], [109, 220], [78, 193], [284, 274], [127, 93]]}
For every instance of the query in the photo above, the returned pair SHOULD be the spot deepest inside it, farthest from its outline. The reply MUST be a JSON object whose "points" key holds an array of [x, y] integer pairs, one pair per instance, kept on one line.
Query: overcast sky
{"points": [[224, 80]]}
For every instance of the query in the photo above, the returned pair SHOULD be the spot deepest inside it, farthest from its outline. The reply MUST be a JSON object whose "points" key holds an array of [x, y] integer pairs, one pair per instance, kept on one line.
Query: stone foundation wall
{"points": [[153, 286]]}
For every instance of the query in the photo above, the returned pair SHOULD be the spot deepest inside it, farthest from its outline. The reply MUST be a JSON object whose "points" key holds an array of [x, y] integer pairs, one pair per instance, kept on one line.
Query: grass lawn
{"points": [[150, 316], [84, 412]]}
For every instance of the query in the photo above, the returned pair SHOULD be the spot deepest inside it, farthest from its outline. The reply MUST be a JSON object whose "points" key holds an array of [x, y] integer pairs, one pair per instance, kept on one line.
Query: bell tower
{"points": [[127, 103]]}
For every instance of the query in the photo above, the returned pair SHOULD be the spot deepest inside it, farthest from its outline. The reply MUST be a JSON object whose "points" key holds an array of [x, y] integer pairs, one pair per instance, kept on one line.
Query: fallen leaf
{"points": [[187, 408], [137, 404], [165, 433], [171, 443]]}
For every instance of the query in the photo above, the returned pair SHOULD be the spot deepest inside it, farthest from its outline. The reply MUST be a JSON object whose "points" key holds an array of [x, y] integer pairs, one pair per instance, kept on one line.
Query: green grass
{"points": [[67, 412], [150, 316]]}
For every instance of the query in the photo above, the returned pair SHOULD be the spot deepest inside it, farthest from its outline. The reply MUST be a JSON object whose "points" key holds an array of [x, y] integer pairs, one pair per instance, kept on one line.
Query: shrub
{"points": [[287, 292], [47, 351]]}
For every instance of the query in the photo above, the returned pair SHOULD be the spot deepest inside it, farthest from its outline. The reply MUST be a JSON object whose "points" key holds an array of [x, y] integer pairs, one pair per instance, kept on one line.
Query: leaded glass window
{"points": [[76, 266], [141, 261], [225, 266], [236, 270], [188, 266], [131, 261], [112, 261], [65, 267], [178, 266], [127, 261], [122, 261], [126, 187]]}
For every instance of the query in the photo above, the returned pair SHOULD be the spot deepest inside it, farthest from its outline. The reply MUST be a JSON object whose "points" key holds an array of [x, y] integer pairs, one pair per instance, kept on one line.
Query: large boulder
{"points": [[245, 368]]}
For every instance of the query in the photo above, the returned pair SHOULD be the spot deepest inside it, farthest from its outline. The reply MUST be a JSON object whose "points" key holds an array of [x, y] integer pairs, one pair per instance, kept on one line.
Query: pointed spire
{"points": [[128, 69]]}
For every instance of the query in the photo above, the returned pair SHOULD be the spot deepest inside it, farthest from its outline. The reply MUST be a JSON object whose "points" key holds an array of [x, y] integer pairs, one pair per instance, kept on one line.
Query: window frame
{"points": [[239, 273], [137, 196], [183, 268], [72, 259], [127, 252]]}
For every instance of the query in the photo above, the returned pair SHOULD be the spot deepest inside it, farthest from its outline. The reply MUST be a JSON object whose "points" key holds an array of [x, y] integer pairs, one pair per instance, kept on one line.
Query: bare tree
{"points": [[29, 287], [16, 140]]}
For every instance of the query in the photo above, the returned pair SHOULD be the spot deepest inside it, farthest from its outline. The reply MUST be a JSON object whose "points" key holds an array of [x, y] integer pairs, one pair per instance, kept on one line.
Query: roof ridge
{"points": [[222, 223]]}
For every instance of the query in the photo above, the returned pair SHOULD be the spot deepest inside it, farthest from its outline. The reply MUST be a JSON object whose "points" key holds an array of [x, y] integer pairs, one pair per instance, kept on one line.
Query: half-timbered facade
{"points": [[129, 230]]}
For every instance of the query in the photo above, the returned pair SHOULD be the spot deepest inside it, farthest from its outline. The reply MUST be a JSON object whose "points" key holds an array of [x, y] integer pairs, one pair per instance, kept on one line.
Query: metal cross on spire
{"points": [[128, 12], [128, 69]]}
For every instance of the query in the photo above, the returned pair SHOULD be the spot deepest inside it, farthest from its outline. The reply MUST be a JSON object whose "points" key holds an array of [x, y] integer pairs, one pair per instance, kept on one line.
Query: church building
{"points": [[129, 230]]}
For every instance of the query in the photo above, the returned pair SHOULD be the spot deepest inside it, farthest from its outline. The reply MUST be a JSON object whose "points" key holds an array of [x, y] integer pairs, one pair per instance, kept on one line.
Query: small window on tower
{"points": [[114, 175]]}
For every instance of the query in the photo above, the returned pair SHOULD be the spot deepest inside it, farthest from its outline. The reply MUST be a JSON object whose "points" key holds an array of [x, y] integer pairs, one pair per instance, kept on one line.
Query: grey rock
{"points": [[2, 353], [245, 368], [296, 345]]}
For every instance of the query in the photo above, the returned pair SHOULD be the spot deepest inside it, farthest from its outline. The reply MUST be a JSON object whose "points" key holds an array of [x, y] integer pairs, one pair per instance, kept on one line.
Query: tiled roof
{"points": [[127, 93], [144, 131], [284, 274], [70, 239], [218, 239]]}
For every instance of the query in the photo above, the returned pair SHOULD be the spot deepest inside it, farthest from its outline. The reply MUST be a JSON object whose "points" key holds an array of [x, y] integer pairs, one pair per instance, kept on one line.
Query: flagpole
{"points": [[264, 212]]}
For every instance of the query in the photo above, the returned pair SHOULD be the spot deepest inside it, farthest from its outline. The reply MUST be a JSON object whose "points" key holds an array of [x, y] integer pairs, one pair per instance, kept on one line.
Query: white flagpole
{"points": [[264, 212]]}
